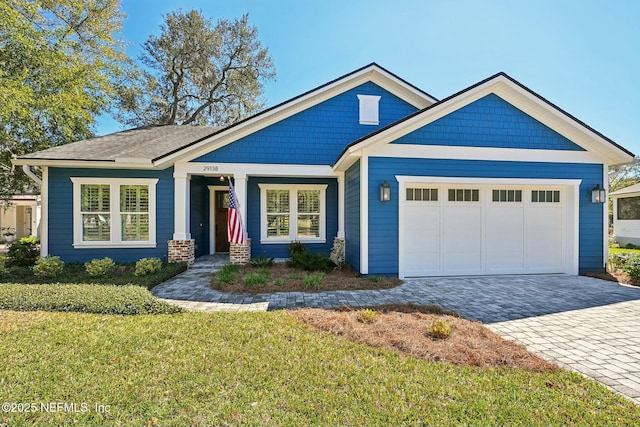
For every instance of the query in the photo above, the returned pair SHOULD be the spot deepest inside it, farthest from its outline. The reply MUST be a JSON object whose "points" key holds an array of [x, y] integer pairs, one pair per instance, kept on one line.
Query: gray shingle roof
{"points": [[627, 190], [141, 145]]}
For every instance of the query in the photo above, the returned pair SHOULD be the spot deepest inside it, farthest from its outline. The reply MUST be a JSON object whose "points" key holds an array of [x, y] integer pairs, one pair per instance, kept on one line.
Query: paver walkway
{"points": [[585, 324]]}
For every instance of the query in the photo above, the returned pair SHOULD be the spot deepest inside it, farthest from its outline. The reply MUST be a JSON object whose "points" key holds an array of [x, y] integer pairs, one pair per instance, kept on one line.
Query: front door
{"points": [[222, 206]]}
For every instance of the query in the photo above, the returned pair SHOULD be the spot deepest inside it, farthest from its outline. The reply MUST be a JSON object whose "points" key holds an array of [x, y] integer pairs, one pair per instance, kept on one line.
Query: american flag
{"points": [[234, 222]]}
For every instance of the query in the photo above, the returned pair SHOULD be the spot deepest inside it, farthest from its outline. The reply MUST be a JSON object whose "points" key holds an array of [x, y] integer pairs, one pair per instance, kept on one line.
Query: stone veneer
{"points": [[182, 251], [240, 254], [337, 252]]}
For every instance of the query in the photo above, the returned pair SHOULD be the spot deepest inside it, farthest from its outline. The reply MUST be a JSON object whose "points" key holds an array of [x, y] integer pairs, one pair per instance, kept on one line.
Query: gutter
{"points": [[27, 170]]}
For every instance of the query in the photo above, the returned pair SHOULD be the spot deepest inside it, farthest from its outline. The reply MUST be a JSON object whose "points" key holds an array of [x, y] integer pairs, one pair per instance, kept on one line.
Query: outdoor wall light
{"points": [[598, 194], [385, 192]]}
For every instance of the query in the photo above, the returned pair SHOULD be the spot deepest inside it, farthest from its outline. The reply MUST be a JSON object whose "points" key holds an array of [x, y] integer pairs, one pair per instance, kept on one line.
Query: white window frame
{"points": [[369, 109], [115, 212], [293, 213]]}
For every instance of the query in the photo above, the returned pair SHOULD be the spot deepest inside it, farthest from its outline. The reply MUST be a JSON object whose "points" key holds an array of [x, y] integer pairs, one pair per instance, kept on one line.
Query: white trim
{"points": [[293, 210], [114, 213], [212, 214], [364, 215], [341, 205], [44, 213], [605, 215], [482, 153], [371, 73], [255, 169], [181, 207], [100, 164], [571, 214]]}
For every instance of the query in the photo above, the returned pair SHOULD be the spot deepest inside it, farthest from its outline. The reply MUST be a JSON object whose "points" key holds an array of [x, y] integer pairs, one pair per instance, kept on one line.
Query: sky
{"points": [[582, 55]]}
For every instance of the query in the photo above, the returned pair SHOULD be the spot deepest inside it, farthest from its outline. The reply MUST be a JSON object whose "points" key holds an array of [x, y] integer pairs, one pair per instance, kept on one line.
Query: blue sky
{"points": [[582, 55]]}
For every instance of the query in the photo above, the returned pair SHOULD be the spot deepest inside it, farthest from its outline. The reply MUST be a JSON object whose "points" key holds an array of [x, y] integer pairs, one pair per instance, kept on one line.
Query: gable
{"points": [[315, 136], [489, 122]]}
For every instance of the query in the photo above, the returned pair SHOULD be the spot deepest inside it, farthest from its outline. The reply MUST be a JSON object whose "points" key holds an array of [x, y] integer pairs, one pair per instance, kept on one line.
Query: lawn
{"points": [[264, 369]]}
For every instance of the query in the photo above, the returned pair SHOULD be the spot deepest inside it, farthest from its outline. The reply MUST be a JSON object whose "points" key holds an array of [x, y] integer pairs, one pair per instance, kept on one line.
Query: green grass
{"points": [[623, 251], [123, 274], [265, 369]]}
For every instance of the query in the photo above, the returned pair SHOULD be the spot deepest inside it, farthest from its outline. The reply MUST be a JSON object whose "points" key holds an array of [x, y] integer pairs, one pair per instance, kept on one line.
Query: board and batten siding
{"points": [[60, 227], [383, 216], [352, 216], [315, 136], [489, 122], [281, 250]]}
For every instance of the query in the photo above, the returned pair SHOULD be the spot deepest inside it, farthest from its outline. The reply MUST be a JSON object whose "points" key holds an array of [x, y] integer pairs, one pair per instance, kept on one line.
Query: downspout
{"points": [[27, 170]]}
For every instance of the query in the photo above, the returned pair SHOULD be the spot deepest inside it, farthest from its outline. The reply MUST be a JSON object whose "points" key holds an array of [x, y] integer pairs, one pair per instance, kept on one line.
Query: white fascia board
{"points": [[260, 121], [487, 181], [84, 164], [521, 99], [255, 169], [481, 153]]}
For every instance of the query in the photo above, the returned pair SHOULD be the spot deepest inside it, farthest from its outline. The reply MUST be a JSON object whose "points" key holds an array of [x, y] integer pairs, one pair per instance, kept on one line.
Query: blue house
{"points": [[494, 179]]}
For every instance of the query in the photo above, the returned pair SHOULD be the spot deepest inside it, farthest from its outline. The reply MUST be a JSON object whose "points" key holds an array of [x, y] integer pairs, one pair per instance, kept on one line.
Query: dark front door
{"points": [[222, 206]]}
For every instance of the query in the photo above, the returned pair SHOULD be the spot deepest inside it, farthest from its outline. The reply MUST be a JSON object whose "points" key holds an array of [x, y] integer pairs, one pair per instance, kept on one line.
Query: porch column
{"points": [[181, 207], [240, 186]]}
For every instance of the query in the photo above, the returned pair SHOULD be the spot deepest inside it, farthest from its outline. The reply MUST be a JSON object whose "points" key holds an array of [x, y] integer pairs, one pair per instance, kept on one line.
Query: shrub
{"points": [[310, 261], [366, 316], [23, 252], [439, 329], [296, 248], [102, 299], [50, 266], [632, 268], [375, 279], [99, 267], [313, 280], [255, 279], [262, 261], [618, 260], [147, 266], [279, 281], [227, 274]]}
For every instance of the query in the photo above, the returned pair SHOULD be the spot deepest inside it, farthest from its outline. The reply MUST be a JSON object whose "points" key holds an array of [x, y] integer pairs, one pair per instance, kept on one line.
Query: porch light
{"points": [[598, 194], [385, 192]]}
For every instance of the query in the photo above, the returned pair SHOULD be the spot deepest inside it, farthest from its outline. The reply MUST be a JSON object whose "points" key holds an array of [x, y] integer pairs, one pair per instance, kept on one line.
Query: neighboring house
{"points": [[626, 215], [19, 217], [491, 180]]}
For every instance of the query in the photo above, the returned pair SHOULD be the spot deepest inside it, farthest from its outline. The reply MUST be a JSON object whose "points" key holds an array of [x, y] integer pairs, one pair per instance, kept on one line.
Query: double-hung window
{"points": [[114, 212], [292, 212]]}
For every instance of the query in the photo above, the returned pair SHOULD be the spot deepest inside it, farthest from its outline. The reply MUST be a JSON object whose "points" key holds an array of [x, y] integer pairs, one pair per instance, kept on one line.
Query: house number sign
{"points": [[210, 168]]}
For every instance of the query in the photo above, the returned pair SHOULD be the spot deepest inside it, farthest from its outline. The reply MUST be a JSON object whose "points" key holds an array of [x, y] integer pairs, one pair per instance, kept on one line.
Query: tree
{"points": [[201, 73], [60, 67]]}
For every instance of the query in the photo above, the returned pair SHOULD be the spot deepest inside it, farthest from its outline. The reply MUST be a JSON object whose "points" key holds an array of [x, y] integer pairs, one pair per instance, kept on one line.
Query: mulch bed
{"points": [[614, 276], [404, 328]]}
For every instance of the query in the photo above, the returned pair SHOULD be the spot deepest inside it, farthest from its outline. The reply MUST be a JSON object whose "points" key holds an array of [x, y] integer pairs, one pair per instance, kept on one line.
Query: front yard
{"points": [[264, 369]]}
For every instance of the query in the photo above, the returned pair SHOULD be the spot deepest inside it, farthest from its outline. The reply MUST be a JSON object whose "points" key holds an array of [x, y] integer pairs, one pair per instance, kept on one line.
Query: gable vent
{"points": [[369, 109]]}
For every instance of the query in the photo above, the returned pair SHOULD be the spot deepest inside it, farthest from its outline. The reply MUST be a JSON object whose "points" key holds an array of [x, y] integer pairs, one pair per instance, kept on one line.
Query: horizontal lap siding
{"points": [[315, 136], [489, 122], [352, 216], [383, 216], [281, 250], [60, 227]]}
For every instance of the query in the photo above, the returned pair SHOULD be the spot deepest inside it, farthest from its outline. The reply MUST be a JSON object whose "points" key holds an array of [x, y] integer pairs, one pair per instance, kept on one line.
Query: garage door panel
{"points": [[462, 239], [544, 242], [422, 245], [505, 240]]}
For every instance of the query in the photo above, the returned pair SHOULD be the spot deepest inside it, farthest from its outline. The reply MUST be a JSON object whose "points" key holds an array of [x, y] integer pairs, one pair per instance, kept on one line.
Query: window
{"points": [[629, 208], [464, 195], [422, 194], [545, 196], [112, 212], [292, 212], [514, 196], [369, 109]]}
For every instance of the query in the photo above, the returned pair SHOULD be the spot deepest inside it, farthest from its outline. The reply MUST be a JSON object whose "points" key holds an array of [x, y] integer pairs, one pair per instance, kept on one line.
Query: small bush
{"points": [[630, 246], [632, 268], [255, 279], [147, 266], [310, 261], [102, 299], [50, 266], [23, 252], [99, 267], [279, 281], [375, 279], [313, 280], [619, 259], [366, 316], [262, 261], [296, 248], [227, 274], [439, 329]]}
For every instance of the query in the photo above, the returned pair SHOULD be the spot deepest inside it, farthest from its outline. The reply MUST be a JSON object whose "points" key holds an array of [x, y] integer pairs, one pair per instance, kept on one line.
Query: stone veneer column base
{"points": [[182, 251], [240, 254], [337, 252]]}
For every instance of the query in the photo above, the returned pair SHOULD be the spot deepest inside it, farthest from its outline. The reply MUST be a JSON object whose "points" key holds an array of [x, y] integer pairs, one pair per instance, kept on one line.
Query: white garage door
{"points": [[483, 229]]}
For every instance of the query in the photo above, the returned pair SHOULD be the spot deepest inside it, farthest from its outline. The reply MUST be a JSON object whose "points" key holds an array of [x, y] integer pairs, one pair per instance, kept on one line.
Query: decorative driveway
{"points": [[589, 325]]}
